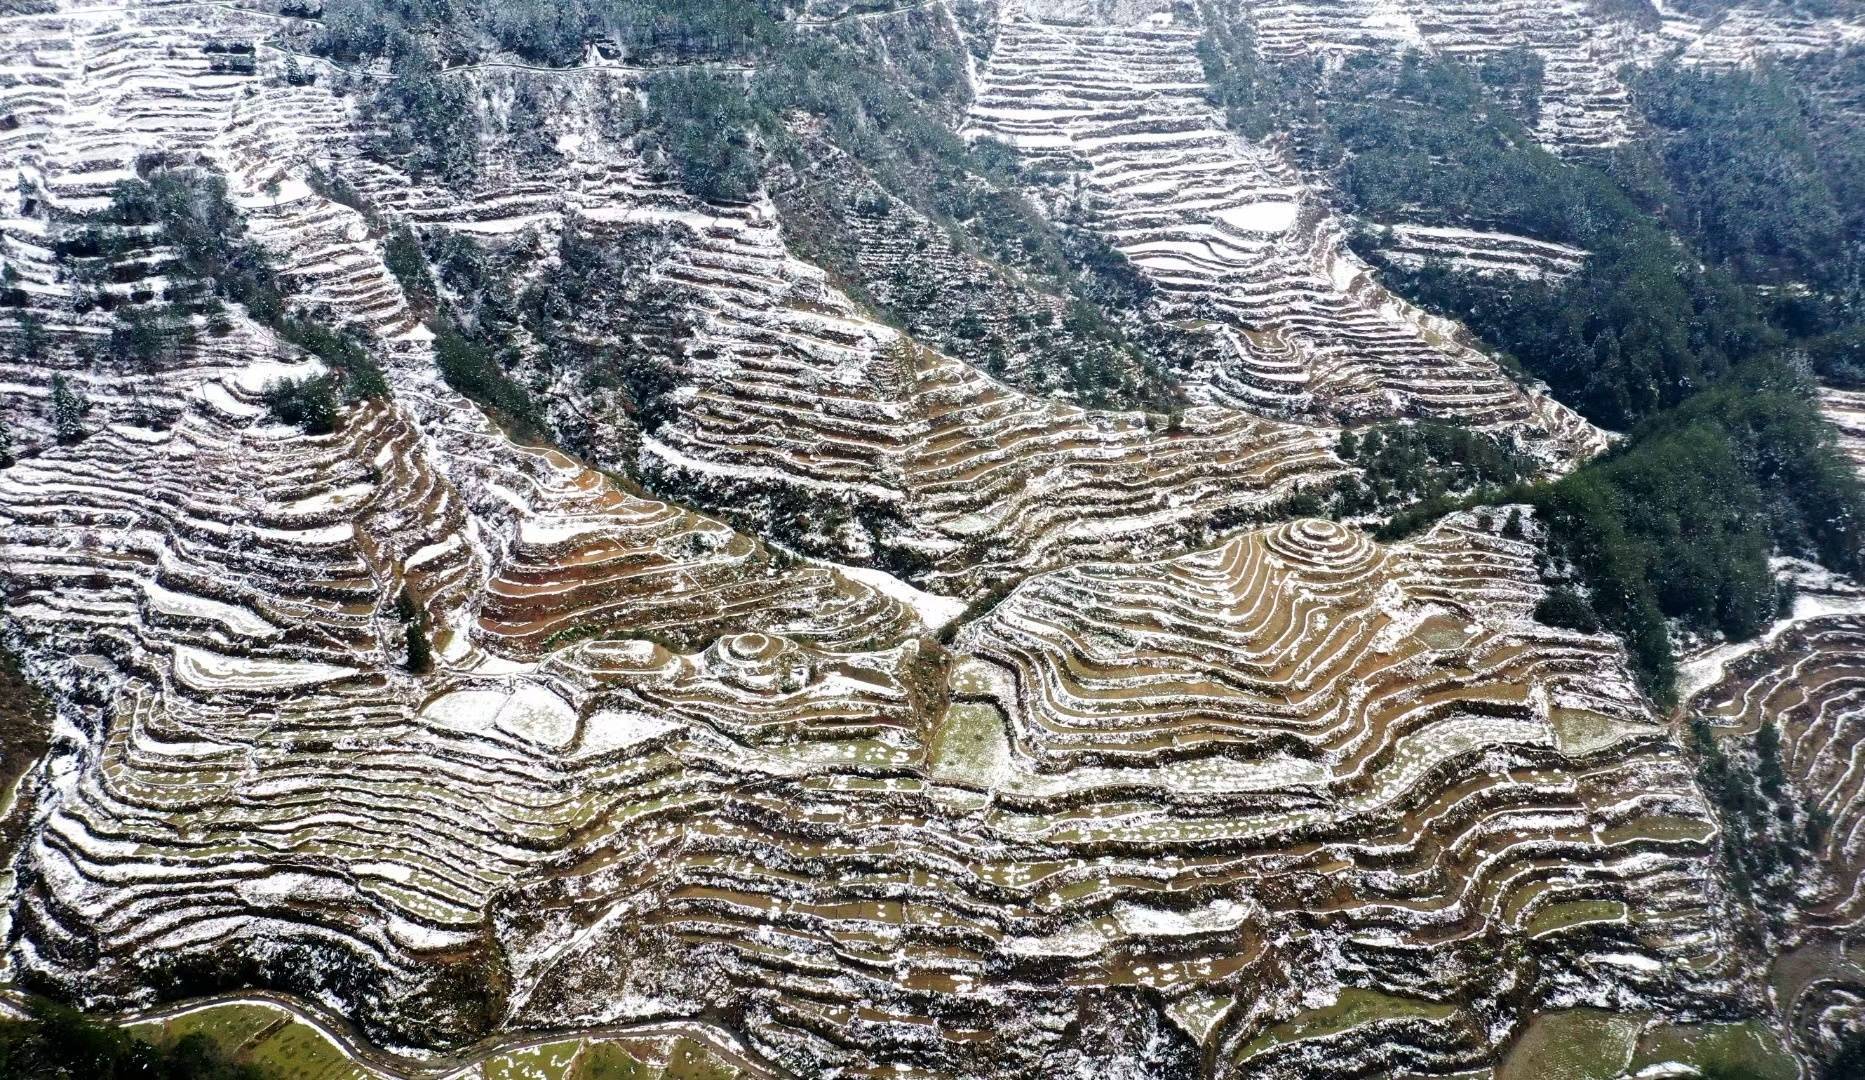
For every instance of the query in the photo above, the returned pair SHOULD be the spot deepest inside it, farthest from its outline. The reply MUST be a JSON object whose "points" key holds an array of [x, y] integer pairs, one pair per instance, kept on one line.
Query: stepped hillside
{"points": [[945, 539]]}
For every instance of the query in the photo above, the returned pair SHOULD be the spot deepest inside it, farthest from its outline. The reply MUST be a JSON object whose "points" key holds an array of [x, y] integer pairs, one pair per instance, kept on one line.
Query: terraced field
{"points": [[1798, 688], [1583, 105], [1143, 773], [1479, 252], [1227, 231]]}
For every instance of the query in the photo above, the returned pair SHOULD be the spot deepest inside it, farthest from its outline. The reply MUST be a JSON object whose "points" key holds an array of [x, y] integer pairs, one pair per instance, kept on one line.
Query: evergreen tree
{"points": [[420, 659], [310, 403], [1768, 758], [30, 345], [68, 409], [420, 654], [405, 608]]}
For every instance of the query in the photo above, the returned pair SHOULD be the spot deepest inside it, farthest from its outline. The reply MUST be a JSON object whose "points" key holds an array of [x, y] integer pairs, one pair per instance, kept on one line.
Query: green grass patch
{"points": [[692, 1061], [280, 1045], [1576, 913], [1747, 1050], [1356, 1008], [610, 1061], [1572, 1044], [550, 1061]]}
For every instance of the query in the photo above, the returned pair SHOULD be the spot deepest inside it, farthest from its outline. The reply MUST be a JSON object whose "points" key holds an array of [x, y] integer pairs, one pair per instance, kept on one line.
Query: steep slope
{"points": [[1238, 832], [456, 735], [1227, 231]]}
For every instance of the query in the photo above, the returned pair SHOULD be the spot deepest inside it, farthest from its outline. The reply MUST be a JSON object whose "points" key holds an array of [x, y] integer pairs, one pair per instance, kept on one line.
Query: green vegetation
{"points": [[199, 221], [1407, 463], [1681, 523], [474, 370], [1645, 323], [693, 1061], [1563, 606], [144, 337], [1637, 330], [217, 263], [309, 403], [1760, 179], [1416, 136], [1729, 461], [405, 260], [69, 406], [25, 720], [705, 123], [721, 131], [1743, 167], [1745, 1051], [554, 32], [607, 1061], [1763, 833], [427, 122], [250, 1041], [887, 105], [420, 654], [1258, 97], [1571, 1044], [1849, 1062], [56, 1043], [1767, 179], [430, 123], [267, 1039]]}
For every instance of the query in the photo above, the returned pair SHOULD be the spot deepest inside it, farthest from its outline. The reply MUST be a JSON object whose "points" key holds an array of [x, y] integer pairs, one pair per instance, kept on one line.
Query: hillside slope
{"points": [[810, 532]]}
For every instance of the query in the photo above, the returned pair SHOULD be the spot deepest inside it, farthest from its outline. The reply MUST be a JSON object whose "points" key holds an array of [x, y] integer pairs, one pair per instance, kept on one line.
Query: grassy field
{"points": [[1576, 913], [284, 1047], [1746, 1050], [1356, 1007], [280, 1044], [1572, 1044]]}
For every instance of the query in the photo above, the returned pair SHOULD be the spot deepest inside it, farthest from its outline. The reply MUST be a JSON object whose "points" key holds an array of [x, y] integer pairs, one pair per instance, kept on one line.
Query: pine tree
{"points": [[6, 444], [414, 632], [420, 654], [68, 409], [1768, 756]]}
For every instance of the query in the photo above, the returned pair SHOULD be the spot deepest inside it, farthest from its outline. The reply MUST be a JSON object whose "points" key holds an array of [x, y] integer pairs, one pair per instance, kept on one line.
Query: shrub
{"points": [[309, 403], [1564, 607]]}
